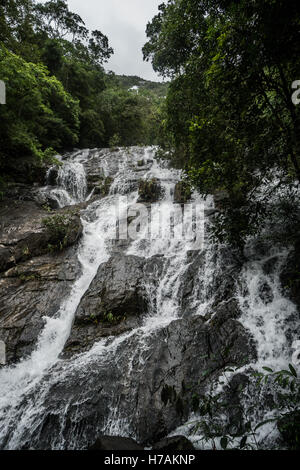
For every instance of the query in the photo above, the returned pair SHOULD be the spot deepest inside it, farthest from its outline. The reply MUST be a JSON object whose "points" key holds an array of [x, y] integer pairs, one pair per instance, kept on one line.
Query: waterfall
{"points": [[71, 177], [27, 387], [272, 321], [70, 183]]}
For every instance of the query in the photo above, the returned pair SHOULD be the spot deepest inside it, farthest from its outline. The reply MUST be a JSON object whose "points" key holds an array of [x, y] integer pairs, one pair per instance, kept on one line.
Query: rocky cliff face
{"points": [[34, 278], [115, 302], [122, 335]]}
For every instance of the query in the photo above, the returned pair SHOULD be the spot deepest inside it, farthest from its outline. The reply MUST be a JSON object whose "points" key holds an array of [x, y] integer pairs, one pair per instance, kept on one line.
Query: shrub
{"points": [[58, 226]]}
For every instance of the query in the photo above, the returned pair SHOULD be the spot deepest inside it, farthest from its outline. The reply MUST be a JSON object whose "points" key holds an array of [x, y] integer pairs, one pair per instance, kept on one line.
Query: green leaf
{"points": [[293, 370], [287, 372], [268, 369]]}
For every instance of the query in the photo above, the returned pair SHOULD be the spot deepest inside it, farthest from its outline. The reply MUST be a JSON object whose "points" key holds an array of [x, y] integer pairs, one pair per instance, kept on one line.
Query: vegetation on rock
{"points": [[149, 190], [63, 228]]}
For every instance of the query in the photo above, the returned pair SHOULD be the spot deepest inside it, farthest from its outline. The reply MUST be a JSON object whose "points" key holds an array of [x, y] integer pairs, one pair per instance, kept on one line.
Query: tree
{"points": [[56, 20], [17, 28], [38, 117], [229, 107], [99, 48], [59, 94]]}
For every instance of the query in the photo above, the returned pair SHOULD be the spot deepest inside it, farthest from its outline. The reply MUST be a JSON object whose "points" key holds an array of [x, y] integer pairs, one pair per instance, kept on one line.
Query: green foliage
{"points": [[130, 116], [58, 226], [183, 191], [224, 418], [107, 318], [111, 319], [149, 190], [39, 115], [28, 277], [103, 186], [58, 94], [158, 89], [114, 141], [285, 386], [228, 118]]}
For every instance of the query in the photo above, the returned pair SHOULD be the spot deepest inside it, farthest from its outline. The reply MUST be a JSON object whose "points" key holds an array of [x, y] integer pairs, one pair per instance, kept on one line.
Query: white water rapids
{"points": [[24, 386]]}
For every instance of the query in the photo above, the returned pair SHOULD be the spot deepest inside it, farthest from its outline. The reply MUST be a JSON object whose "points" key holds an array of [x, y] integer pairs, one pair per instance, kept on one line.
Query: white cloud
{"points": [[124, 22]]}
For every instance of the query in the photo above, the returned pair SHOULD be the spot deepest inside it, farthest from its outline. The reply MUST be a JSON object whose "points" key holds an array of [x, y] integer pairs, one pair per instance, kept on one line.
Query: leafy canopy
{"points": [[229, 116]]}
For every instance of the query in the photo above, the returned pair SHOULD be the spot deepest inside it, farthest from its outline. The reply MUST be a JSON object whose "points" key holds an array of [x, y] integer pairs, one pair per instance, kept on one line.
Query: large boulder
{"points": [[116, 289], [115, 301]]}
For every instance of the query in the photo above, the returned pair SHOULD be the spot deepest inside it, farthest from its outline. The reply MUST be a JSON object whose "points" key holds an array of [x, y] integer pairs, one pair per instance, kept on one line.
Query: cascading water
{"points": [[24, 379], [46, 390], [272, 321], [70, 183]]}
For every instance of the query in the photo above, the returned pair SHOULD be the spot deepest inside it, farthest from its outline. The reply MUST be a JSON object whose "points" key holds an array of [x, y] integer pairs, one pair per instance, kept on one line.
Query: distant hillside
{"points": [[127, 82]]}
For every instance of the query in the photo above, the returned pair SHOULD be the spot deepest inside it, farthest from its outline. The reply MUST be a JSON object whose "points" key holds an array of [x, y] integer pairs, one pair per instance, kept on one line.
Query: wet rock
{"points": [[20, 192], [114, 302], [115, 443], [266, 293], [174, 444], [225, 311], [173, 358], [116, 289], [24, 233], [24, 192], [37, 270], [46, 200], [269, 265], [223, 284], [84, 336], [211, 212], [2, 353], [29, 292], [95, 181], [52, 176], [234, 410], [191, 280]]}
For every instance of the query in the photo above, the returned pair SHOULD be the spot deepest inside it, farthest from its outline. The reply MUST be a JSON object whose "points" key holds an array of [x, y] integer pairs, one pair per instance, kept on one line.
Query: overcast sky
{"points": [[124, 22]]}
